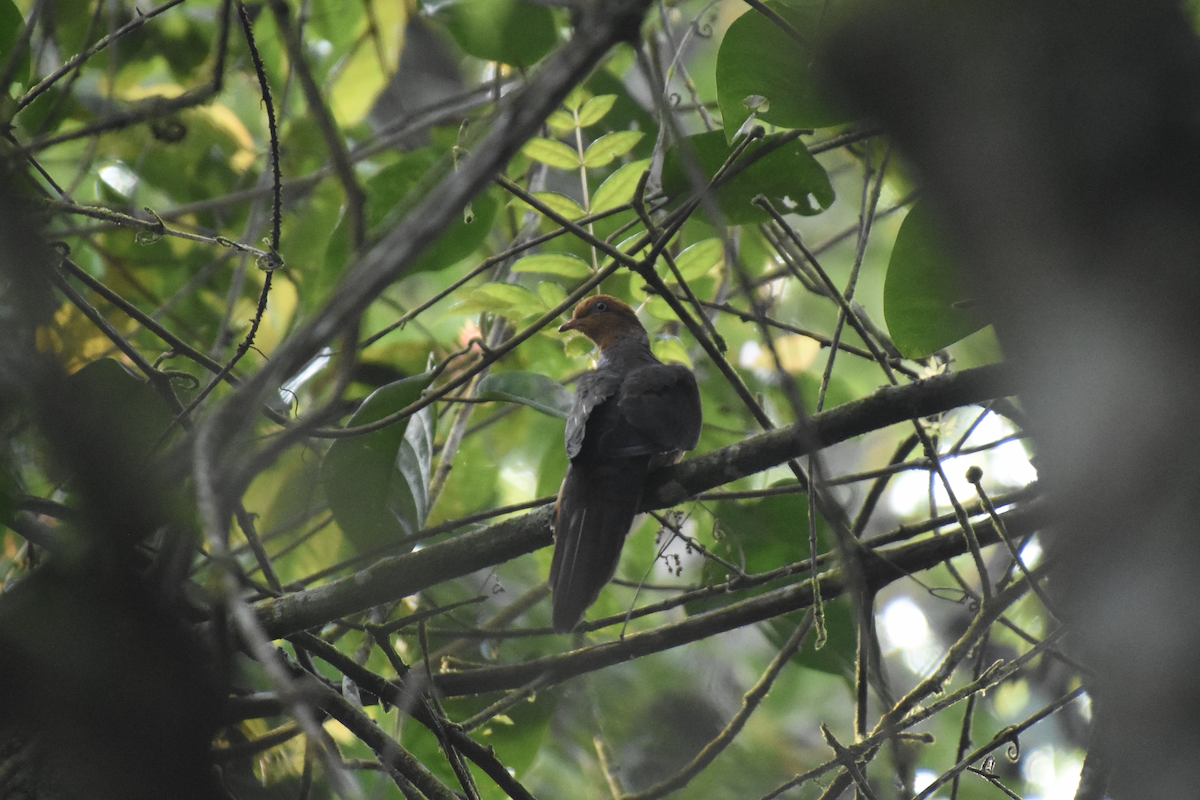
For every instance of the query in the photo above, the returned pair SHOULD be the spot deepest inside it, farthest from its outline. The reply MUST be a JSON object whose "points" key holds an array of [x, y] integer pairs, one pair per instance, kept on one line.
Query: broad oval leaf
{"points": [[564, 264], [501, 298], [695, 261], [760, 68], [396, 189], [509, 31], [551, 293], [552, 153], [788, 176], [609, 147], [618, 188], [12, 21], [528, 388], [377, 492], [925, 301]]}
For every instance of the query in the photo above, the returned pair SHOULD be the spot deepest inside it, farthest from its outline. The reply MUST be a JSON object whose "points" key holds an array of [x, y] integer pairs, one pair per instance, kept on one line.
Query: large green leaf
{"points": [[11, 24], [788, 176], [765, 534], [528, 388], [508, 31], [377, 484], [760, 68], [925, 301], [396, 189]]}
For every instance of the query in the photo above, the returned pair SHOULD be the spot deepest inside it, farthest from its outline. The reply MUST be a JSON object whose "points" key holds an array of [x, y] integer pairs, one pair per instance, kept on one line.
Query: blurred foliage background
{"points": [[189, 186]]}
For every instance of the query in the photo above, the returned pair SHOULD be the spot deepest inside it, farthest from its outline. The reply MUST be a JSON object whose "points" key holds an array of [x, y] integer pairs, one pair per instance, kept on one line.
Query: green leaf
{"points": [[552, 153], [596, 109], [12, 23], [788, 176], [377, 484], [551, 294], [837, 656], [564, 264], [561, 122], [508, 31], [925, 301], [610, 146], [760, 535], [395, 190], [576, 98], [408, 500], [618, 188], [671, 351], [560, 204], [759, 66], [501, 298], [530, 389], [697, 260]]}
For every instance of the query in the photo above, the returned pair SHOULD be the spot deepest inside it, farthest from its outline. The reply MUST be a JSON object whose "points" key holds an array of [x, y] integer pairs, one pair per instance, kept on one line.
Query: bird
{"points": [[631, 414]]}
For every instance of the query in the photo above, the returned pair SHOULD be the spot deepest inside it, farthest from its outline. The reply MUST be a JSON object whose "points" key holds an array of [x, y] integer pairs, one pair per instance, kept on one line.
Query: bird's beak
{"points": [[569, 325]]}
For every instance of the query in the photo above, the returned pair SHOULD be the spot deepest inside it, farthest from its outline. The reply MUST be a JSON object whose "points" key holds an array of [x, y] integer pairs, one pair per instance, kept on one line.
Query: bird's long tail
{"points": [[596, 506]]}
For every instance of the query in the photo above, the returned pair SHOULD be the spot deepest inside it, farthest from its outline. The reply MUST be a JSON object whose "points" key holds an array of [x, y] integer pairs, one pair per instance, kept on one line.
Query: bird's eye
{"points": [[601, 306]]}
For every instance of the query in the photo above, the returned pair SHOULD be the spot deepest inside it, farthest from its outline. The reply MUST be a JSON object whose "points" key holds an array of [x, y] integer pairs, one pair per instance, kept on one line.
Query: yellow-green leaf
{"points": [[610, 146], [561, 122], [561, 204], [500, 298], [618, 188], [596, 109], [671, 350], [551, 293], [576, 98], [564, 264], [697, 260], [552, 153]]}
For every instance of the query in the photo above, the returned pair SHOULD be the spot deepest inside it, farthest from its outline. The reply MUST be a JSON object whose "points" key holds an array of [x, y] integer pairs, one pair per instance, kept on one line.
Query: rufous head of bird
{"points": [[605, 320]]}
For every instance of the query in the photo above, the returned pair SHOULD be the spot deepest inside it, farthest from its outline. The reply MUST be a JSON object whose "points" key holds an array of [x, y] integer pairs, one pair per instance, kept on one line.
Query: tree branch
{"points": [[893, 565], [400, 576]]}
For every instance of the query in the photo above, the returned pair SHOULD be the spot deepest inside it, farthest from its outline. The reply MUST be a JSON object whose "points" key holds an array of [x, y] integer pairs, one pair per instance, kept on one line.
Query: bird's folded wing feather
{"points": [[592, 390], [660, 406]]}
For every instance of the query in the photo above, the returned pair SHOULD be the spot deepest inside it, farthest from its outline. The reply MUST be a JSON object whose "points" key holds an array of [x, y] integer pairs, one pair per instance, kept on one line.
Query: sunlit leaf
{"points": [[576, 98], [501, 298], [551, 293], [618, 188], [596, 109], [670, 350], [701, 257], [552, 153], [561, 204], [610, 146], [564, 264], [561, 122]]}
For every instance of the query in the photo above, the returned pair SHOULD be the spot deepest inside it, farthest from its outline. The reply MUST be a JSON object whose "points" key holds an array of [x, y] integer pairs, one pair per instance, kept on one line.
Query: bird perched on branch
{"points": [[631, 414]]}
